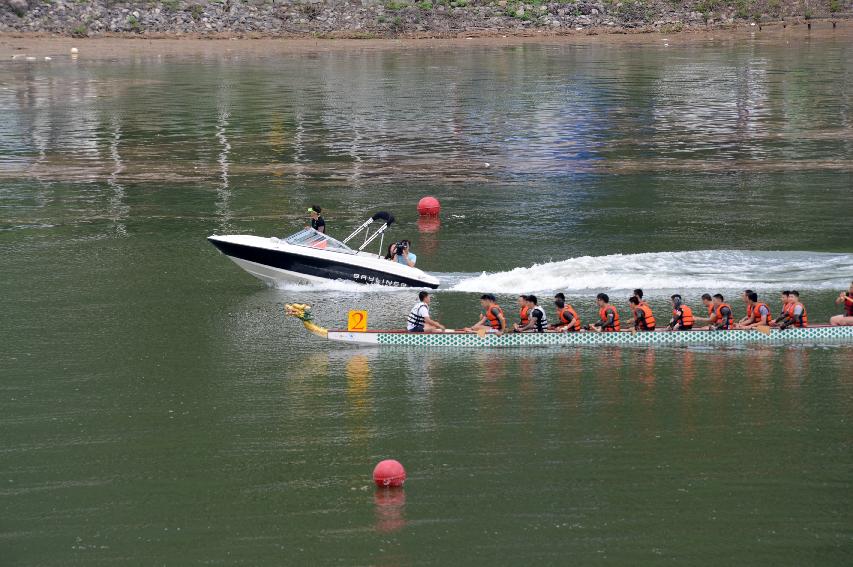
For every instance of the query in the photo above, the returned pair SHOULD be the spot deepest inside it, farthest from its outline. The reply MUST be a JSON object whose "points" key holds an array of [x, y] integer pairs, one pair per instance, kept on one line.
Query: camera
{"points": [[400, 247]]}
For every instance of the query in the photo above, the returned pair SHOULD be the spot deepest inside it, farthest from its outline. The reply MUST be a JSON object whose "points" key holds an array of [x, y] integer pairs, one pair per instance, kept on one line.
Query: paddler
{"points": [[784, 309], [723, 319], [567, 318], [523, 310], [638, 293], [708, 302], [682, 315], [748, 319], [757, 311], [492, 319], [419, 320], [608, 317], [643, 318], [846, 299], [796, 315], [537, 320]]}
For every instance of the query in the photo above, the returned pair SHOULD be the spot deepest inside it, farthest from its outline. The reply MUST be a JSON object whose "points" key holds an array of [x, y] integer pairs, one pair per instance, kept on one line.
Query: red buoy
{"points": [[389, 473], [429, 207]]}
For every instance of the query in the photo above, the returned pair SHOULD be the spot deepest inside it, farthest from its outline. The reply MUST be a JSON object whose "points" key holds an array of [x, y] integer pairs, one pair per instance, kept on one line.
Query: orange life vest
{"points": [[749, 308], [687, 319], [805, 316], [602, 314], [728, 323], [710, 309], [756, 311], [493, 320], [525, 318], [575, 323], [787, 309], [648, 318]]}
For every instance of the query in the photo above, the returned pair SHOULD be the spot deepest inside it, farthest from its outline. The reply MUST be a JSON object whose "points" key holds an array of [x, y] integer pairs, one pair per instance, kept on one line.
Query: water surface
{"points": [[156, 407]]}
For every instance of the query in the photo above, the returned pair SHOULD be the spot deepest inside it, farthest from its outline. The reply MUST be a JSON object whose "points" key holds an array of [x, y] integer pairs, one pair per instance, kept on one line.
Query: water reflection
{"points": [[533, 109], [118, 208], [299, 170], [389, 510], [429, 225], [358, 397], [223, 191], [795, 363]]}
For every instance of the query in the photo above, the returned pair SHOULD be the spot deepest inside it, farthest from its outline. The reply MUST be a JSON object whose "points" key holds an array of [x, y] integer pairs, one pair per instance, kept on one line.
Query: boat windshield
{"points": [[310, 238]]}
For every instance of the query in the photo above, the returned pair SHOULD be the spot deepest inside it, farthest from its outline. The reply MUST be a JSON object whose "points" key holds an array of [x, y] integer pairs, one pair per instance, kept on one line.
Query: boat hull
{"points": [[282, 263], [274, 276], [810, 335]]}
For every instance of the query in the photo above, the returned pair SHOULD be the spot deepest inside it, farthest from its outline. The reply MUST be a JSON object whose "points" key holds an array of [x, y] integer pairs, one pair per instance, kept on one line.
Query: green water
{"points": [[157, 409]]}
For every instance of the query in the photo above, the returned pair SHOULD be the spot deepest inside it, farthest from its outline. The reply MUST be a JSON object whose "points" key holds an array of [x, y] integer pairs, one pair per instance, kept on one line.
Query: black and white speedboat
{"points": [[310, 256]]}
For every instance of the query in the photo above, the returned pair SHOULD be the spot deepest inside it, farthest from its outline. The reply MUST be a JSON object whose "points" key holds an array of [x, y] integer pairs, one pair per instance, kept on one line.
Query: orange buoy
{"points": [[429, 207], [389, 473]]}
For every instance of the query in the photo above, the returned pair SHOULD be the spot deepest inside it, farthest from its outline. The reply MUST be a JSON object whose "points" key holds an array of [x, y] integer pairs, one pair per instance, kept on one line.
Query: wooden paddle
{"points": [[482, 332], [763, 329]]}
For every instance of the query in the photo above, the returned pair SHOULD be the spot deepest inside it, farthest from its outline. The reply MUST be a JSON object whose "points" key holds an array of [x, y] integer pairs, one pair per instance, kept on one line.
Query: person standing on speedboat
{"points": [[492, 319], [317, 222], [419, 320], [537, 320]]}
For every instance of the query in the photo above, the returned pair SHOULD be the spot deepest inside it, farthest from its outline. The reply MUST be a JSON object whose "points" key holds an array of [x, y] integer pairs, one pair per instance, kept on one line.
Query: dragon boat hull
{"points": [[818, 334], [809, 335]]}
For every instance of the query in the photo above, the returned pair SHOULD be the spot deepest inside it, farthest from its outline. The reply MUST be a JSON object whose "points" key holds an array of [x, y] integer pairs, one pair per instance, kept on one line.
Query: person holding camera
{"points": [[401, 254]]}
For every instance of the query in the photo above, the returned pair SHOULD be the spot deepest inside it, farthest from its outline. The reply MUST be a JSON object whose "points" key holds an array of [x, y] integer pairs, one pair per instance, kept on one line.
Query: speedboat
{"points": [[309, 256]]}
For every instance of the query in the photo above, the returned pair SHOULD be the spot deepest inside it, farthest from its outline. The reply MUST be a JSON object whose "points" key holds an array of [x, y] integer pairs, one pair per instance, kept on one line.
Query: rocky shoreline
{"points": [[395, 18]]}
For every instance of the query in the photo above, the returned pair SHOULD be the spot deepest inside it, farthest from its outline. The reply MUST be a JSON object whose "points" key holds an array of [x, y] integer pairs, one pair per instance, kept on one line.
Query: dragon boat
{"points": [[817, 334]]}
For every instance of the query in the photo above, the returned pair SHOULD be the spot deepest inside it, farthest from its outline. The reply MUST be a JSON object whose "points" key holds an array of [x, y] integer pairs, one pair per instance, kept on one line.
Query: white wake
{"points": [[708, 270]]}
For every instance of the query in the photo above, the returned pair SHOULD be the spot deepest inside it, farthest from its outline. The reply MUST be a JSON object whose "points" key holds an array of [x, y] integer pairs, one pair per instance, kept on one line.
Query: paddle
{"points": [[482, 332], [763, 329]]}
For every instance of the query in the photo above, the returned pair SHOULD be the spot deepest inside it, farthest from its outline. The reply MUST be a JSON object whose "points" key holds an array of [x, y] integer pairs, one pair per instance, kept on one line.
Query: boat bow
{"points": [[302, 312]]}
